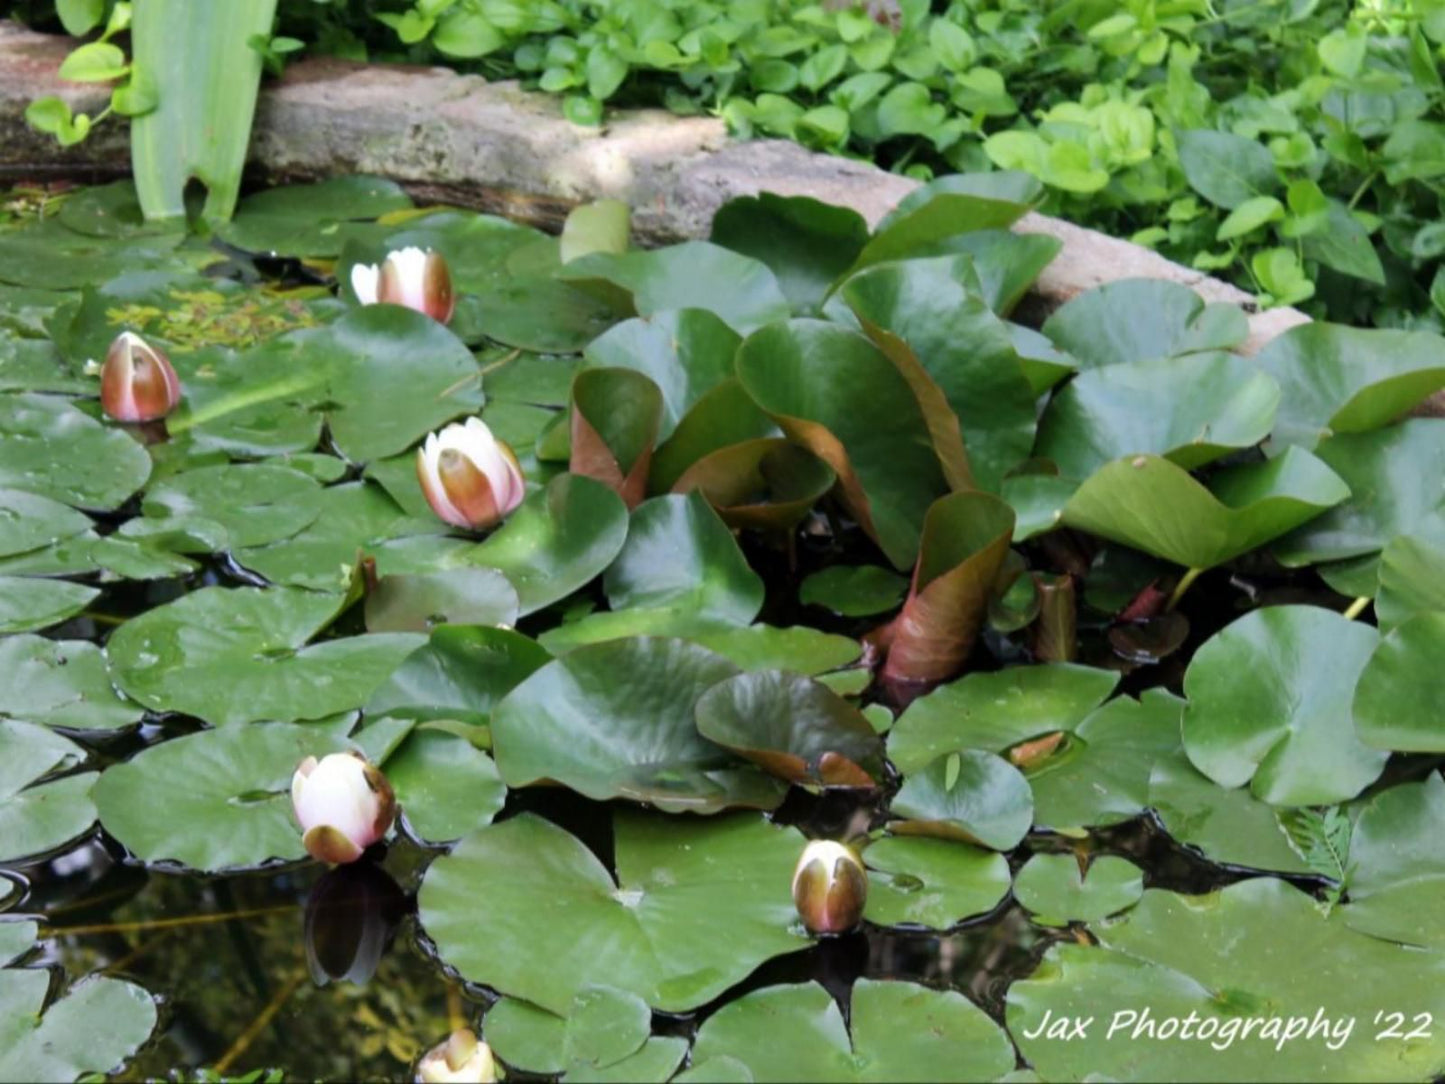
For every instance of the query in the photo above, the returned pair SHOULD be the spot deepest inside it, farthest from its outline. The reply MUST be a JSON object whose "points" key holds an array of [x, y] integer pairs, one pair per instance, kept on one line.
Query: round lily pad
{"points": [[1396, 868], [458, 596], [39, 817], [936, 883], [973, 796], [62, 683], [306, 219], [28, 604], [237, 505], [853, 590], [1059, 890], [29, 521], [49, 447], [461, 673], [1139, 319], [444, 785], [604, 1026], [89, 1031], [1395, 702]]}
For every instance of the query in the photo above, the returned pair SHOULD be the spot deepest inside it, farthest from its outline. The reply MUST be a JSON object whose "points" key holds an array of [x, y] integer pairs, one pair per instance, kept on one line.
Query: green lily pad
{"points": [[16, 939], [615, 421], [834, 393], [947, 206], [1044, 364], [90, 1031], [114, 557], [605, 1025], [28, 604], [793, 727], [459, 596], [1038, 501], [1395, 870], [236, 655], [1058, 892], [227, 507], [1222, 959], [49, 447], [685, 352], [215, 800], [307, 219], [62, 683], [853, 590], [679, 555], [534, 379], [765, 484], [899, 1031], [460, 673], [972, 796], [936, 883], [35, 365], [696, 906], [543, 313], [258, 402], [655, 1062], [615, 720], [1396, 705], [556, 541], [1006, 264], [446, 787], [46, 255], [1153, 505], [1140, 320], [994, 711], [722, 418], [1411, 575], [481, 251], [1339, 379], [1269, 705], [38, 816], [109, 210], [1216, 403], [807, 244]]}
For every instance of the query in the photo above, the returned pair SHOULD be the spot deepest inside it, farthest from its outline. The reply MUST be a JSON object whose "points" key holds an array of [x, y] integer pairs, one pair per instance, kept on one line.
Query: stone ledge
{"points": [[499, 148]]}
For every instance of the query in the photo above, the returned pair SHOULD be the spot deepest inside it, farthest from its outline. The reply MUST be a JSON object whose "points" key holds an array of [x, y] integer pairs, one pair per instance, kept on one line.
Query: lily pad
{"points": [[807, 244], [49, 447], [696, 906], [29, 521], [460, 596], [47, 255], [1396, 705], [215, 800], [1411, 575], [798, 648], [946, 206], [1395, 869], [307, 219], [460, 673], [1220, 961], [899, 1031], [237, 655], [605, 1026], [936, 883], [853, 590], [38, 816], [90, 1031], [34, 365], [1006, 264], [615, 421], [446, 787], [765, 484], [1140, 320], [1269, 705], [1058, 891], [543, 313], [721, 418], [28, 604], [62, 683], [229, 507], [972, 796]]}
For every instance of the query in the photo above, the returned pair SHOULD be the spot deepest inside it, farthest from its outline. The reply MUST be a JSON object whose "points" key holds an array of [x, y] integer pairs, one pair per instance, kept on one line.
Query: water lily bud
{"points": [[470, 478], [462, 1059], [344, 805], [137, 383], [413, 277], [830, 887]]}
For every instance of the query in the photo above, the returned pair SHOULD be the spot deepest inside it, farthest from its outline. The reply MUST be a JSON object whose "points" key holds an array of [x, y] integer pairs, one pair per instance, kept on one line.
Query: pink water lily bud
{"points": [[461, 1059], [343, 804], [830, 887], [137, 383], [470, 478], [414, 277]]}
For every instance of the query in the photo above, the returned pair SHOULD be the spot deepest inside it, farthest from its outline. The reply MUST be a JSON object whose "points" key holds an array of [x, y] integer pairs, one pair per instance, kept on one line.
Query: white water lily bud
{"points": [[470, 478], [414, 277], [461, 1059], [343, 804], [137, 383], [830, 887]]}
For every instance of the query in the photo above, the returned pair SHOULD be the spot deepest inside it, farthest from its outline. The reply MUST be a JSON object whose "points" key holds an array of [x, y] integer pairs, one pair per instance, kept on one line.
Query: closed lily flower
{"points": [[414, 277], [830, 887], [137, 383], [470, 478], [344, 805], [461, 1059]]}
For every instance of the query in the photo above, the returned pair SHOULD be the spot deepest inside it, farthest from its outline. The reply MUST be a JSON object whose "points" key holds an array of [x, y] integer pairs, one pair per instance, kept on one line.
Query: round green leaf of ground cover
{"points": [[27, 604], [793, 727], [88, 1032], [1394, 479], [214, 800], [1229, 827], [36, 818], [1058, 892], [1190, 409], [1153, 505], [1397, 700], [680, 555], [936, 883], [900, 1031], [306, 219], [615, 720], [1397, 867], [853, 590], [49, 447], [972, 796], [994, 711], [460, 673], [1339, 379], [1142, 319], [61, 683], [556, 541], [1269, 705], [1224, 959], [807, 244], [459, 596], [685, 352], [248, 504], [692, 275], [697, 905], [236, 655], [834, 393], [446, 787], [29, 521]]}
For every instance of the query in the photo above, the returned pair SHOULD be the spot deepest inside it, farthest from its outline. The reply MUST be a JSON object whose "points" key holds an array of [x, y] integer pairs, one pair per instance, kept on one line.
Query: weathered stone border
{"points": [[499, 148]]}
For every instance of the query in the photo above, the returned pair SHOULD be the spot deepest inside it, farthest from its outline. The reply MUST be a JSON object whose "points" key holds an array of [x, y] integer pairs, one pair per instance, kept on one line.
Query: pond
{"points": [[1109, 652]]}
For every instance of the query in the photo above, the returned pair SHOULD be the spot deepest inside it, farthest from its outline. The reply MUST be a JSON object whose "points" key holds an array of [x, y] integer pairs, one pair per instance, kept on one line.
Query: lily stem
{"points": [[1185, 582], [1357, 607]]}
